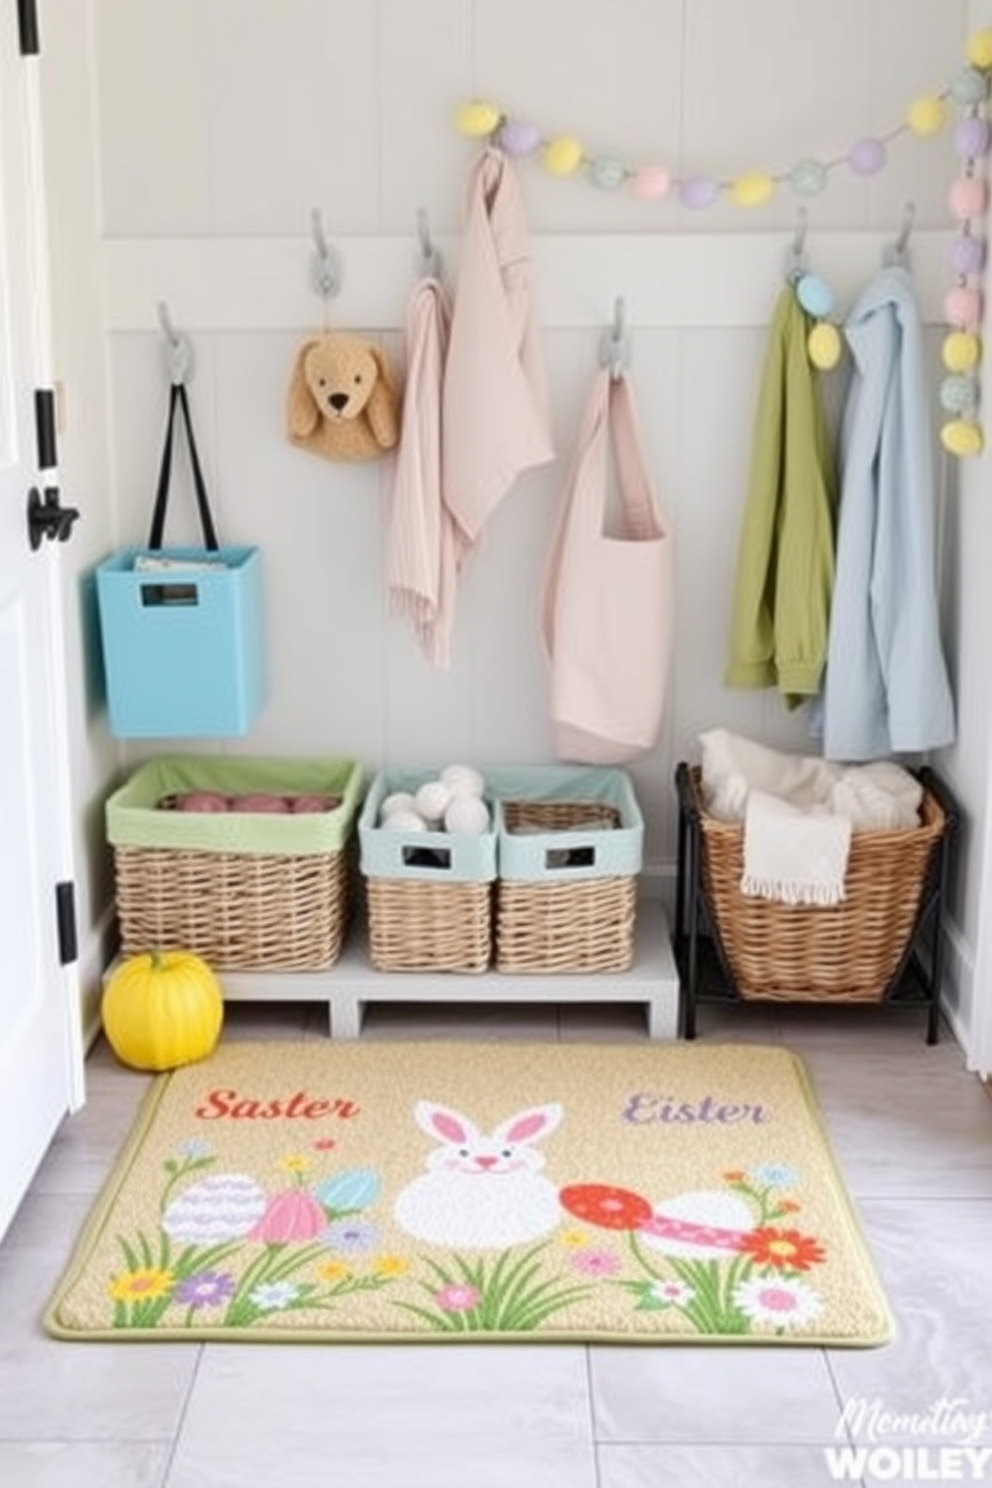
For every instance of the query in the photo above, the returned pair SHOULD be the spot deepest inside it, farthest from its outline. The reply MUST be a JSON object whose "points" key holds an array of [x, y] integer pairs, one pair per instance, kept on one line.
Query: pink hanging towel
{"points": [[607, 604], [495, 420], [424, 547]]}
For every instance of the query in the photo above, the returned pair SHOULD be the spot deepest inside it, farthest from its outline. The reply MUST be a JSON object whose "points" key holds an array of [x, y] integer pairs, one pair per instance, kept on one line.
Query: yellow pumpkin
{"points": [[162, 1009]]}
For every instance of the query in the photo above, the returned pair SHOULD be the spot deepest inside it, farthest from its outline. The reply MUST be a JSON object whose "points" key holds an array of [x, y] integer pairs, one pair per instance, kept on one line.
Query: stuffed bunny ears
{"points": [[343, 401]]}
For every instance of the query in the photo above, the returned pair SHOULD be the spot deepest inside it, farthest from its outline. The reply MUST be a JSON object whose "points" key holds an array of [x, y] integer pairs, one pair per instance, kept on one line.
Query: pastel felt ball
{"points": [[968, 198], [651, 183], [808, 177], [967, 254], [698, 192], [815, 295], [959, 393], [752, 189], [961, 351], [477, 119], [823, 346], [926, 115], [961, 437], [972, 137], [969, 86], [563, 155], [867, 156], [607, 174], [518, 137], [979, 49], [963, 307]]}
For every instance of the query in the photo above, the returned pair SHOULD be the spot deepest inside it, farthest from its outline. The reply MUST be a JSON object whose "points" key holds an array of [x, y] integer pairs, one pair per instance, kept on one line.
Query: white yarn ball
{"points": [[467, 814], [432, 800], [463, 780], [403, 820], [398, 801]]}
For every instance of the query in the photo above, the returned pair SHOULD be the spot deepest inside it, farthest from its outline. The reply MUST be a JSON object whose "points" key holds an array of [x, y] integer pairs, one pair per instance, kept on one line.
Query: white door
{"points": [[41, 1074]]}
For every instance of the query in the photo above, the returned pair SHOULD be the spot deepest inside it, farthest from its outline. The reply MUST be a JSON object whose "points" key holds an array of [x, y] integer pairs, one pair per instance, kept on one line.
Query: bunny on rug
{"points": [[484, 1192], [343, 402]]}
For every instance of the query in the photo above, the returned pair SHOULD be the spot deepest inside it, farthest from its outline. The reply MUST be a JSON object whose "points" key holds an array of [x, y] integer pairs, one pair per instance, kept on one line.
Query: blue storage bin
{"points": [[183, 649]]}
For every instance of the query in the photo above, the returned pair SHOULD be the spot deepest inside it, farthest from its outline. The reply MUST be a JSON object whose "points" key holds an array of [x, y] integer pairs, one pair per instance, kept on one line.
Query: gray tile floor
{"points": [[913, 1132]]}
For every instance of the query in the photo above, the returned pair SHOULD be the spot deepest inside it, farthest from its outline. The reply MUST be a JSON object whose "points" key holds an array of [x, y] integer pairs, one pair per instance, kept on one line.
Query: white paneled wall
{"points": [[221, 123]]}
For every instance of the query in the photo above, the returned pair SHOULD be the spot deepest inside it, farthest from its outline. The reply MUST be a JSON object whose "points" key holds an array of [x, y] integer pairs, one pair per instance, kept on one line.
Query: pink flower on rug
{"points": [[784, 1303], [458, 1298], [595, 1263], [289, 1215]]}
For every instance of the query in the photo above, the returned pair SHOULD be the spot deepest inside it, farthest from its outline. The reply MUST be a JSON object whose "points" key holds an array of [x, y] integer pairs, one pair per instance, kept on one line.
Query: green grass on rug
{"points": [[312, 1191]]}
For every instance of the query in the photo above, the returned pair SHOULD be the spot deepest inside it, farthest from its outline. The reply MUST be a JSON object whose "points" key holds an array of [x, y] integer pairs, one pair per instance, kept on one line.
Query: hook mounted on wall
{"points": [[429, 261], [327, 270], [795, 259], [614, 344], [179, 349], [896, 255]]}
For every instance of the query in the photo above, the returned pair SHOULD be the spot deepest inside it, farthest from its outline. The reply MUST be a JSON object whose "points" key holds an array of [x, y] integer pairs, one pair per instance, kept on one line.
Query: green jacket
{"points": [[785, 561]]}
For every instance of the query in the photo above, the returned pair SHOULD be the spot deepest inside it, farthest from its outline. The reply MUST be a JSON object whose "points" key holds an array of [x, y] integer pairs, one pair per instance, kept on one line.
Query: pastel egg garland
{"points": [[564, 155], [968, 198]]}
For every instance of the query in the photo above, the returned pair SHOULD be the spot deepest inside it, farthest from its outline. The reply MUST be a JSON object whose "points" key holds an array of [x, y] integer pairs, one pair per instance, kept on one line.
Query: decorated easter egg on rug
{"points": [[224, 1206], [710, 1222]]}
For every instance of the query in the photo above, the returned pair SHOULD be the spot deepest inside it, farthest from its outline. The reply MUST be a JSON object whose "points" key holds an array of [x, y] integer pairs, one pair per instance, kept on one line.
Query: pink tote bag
{"points": [[607, 603]]}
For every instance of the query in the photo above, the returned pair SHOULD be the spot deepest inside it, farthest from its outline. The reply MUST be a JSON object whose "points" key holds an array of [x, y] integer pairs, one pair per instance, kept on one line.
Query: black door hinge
{"points": [[44, 426], [65, 914], [27, 20]]}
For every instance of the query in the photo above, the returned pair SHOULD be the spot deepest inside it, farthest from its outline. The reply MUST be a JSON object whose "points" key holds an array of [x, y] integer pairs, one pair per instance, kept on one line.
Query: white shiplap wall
{"points": [[222, 123]]}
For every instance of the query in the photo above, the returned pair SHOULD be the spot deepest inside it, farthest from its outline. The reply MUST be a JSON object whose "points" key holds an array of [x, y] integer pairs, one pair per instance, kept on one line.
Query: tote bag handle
{"points": [[178, 399]]}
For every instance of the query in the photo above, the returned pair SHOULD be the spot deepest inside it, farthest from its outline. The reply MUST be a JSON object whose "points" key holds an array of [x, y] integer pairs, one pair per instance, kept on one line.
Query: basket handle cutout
{"points": [[427, 857], [153, 595], [570, 857]]}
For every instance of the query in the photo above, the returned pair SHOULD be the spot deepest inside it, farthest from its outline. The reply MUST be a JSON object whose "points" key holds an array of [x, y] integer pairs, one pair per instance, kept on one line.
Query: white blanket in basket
{"points": [[799, 812]]}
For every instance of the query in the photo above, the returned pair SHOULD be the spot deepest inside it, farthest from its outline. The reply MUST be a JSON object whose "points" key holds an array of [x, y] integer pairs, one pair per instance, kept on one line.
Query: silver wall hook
{"points": [[614, 344], [178, 349], [896, 255], [795, 259], [327, 266], [429, 262]]}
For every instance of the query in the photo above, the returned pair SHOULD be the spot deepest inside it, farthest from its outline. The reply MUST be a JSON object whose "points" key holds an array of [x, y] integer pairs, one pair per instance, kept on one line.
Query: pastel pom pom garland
{"points": [[564, 155]]}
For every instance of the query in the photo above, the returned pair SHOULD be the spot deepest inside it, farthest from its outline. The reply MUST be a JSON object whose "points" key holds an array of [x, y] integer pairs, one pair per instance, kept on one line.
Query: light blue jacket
{"points": [[886, 688]]}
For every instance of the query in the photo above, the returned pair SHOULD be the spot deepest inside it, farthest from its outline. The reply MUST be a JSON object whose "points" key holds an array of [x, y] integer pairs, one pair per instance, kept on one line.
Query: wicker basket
{"points": [[562, 925], [428, 894], [839, 953], [244, 891], [417, 926]]}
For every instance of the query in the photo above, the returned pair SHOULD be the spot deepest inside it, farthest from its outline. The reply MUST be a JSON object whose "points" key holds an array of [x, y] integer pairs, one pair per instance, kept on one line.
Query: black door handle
{"points": [[47, 517]]}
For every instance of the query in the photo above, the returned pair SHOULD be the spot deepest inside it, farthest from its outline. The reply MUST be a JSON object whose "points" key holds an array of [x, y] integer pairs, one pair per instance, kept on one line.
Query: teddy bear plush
{"points": [[343, 402]]}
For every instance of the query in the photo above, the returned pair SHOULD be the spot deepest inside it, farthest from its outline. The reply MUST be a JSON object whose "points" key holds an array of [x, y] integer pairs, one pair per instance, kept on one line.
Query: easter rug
{"points": [[429, 1192]]}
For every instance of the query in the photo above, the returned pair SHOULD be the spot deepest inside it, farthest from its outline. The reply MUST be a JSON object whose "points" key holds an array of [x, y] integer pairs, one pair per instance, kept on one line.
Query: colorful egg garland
{"points": [[564, 155]]}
